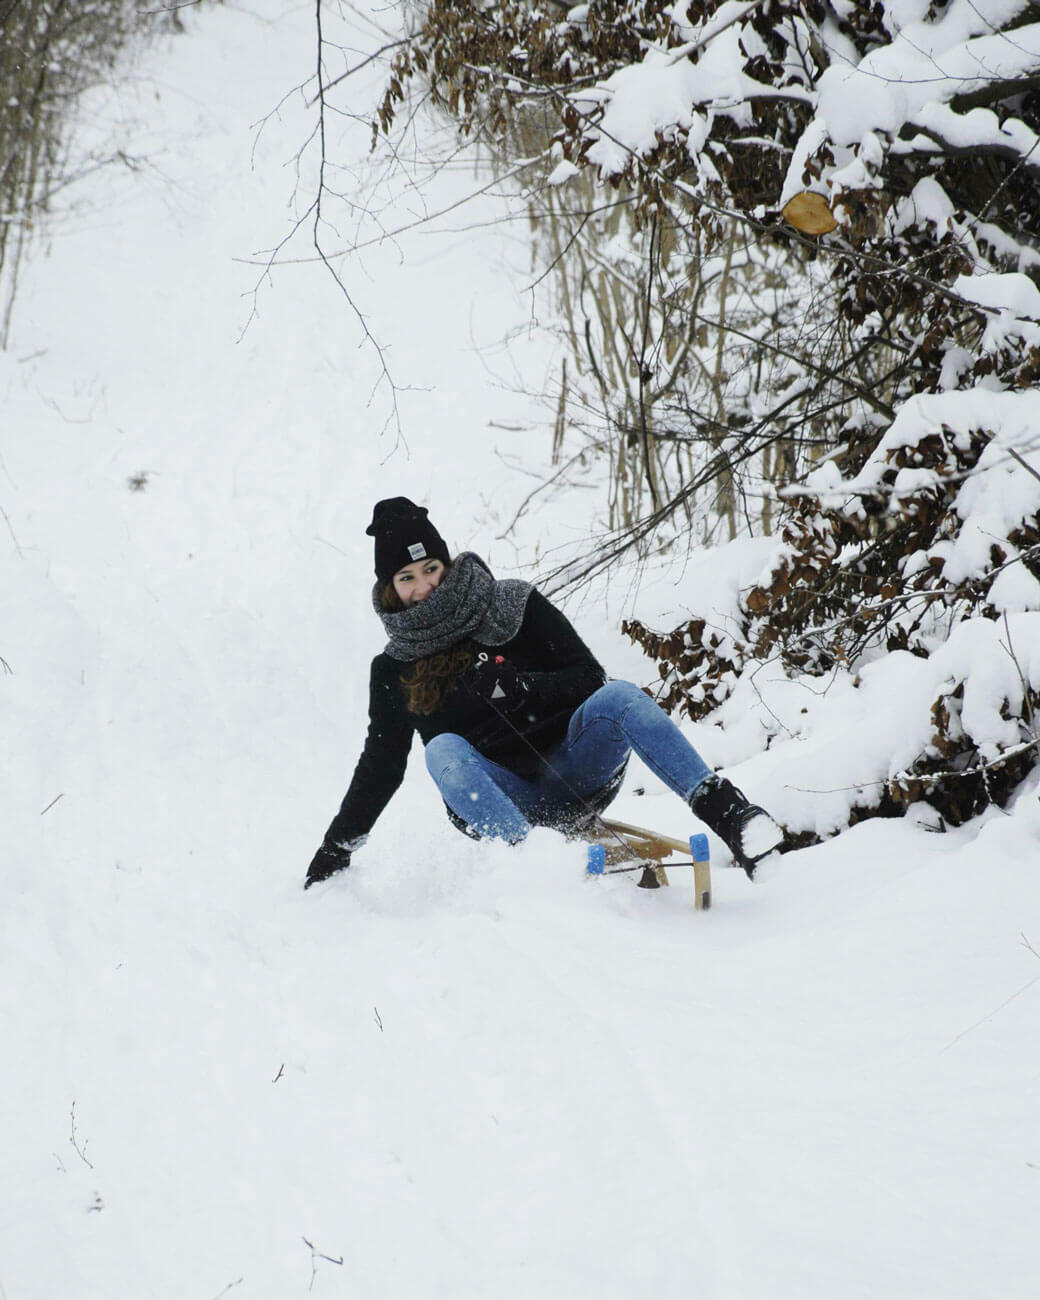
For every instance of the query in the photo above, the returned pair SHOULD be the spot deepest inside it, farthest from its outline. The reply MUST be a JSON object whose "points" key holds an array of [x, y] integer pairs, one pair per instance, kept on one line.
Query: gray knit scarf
{"points": [[468, 602]]}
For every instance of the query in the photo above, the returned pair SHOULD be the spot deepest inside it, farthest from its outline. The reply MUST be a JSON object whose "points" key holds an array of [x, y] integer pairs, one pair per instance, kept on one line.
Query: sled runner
{"points": [[616, 845]]}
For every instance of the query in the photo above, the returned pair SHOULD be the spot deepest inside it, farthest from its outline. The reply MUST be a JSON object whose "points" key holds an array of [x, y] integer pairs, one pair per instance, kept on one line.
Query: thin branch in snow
{"points": [[230, 1287], [168, 9], [427, 218], [314, 215], [81, 1151], [371, 58], [711, 27], [10, 529], [1023, 681], [316, 209], [1024, 463], [996, 31], [995, 1011], [317, 1254], [928, 778]]}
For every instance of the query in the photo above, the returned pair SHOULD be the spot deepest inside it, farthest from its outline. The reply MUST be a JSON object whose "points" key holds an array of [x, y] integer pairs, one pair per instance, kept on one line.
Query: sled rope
{"points": [[651, 863]]}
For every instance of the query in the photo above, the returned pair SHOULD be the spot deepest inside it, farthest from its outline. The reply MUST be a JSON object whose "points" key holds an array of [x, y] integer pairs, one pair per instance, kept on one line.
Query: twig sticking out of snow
{"points": [[996, 1011], [315, 1256], [1024, 463], [81, 1151], [230, 1287], [929, 778]]}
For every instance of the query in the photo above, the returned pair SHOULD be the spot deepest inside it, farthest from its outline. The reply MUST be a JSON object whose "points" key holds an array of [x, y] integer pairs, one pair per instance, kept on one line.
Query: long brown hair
{"points": [[431, 680]]}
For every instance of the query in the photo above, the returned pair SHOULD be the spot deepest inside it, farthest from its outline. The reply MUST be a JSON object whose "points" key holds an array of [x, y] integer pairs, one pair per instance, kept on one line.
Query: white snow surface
{"points": [[460, 1069], [1011, 292]]}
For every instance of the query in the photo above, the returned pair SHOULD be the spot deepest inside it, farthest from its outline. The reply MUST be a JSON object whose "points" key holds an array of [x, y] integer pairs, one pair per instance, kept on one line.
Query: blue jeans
{"points": [[615, 720]]}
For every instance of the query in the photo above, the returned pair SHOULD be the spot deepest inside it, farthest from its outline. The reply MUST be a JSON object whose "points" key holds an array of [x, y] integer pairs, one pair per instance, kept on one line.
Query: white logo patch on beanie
{"points": [[417, 551]]}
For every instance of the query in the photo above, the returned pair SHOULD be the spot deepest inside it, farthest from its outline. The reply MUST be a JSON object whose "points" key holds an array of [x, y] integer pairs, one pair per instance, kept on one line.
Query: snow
{"points": [[924, 66], [910, 81], [561, 173], [460, 1068], [1012, 292], [652, 100], [760, 836], [633, 118]]}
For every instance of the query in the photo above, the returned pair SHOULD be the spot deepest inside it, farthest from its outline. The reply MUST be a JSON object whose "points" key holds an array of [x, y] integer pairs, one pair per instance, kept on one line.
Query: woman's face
{"points": [[415, 581]]}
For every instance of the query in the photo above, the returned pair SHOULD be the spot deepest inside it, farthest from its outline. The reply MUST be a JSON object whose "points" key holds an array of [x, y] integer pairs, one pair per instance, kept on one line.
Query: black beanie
{"points": [[403, 535]]}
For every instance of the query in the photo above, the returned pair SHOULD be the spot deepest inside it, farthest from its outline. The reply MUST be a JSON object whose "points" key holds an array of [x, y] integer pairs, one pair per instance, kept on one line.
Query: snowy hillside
{"points": [[460, 1069]]}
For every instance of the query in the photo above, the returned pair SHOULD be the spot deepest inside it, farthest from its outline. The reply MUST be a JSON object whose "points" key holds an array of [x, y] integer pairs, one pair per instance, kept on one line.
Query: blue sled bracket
{"points": [[596, 863], [701, 855]]}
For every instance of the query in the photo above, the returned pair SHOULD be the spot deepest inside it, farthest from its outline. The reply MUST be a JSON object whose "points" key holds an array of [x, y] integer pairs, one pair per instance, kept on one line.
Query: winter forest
{"points": [[718, 321]]}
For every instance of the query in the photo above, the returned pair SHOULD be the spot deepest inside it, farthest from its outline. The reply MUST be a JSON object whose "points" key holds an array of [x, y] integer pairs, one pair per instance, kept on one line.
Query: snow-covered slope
{"points": [[463, 1069]]}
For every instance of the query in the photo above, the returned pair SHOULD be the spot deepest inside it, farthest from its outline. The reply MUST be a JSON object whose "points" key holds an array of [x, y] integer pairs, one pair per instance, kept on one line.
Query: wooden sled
{"points": [[615, 844]]}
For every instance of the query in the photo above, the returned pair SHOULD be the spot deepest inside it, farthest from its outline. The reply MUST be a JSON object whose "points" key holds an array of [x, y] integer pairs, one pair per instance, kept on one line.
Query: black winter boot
{"points": [[747, 830]]}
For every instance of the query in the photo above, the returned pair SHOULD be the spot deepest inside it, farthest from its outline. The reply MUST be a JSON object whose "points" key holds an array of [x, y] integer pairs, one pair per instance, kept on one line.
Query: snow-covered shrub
{"points": [[933, 542], [881, 161]]}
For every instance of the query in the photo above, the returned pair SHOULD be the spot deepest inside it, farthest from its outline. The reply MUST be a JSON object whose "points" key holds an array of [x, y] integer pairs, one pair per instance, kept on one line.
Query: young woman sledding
{"points": [[520, 725]]}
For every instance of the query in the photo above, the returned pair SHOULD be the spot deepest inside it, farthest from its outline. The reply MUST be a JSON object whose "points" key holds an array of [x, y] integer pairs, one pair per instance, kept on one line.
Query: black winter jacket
{"points": [[558, 671]]}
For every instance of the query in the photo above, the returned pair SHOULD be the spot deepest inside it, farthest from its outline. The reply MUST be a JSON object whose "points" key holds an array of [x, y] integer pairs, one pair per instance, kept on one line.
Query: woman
{"points": [[520, 725]]}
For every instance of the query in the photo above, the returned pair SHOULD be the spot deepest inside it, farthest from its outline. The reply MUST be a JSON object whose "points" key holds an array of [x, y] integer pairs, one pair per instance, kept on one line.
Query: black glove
{"points": [[327, 861], [496, 680]]}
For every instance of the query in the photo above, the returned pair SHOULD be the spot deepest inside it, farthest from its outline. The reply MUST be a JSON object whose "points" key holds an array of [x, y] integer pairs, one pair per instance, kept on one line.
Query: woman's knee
{"points": [[615, 697], [446, 750]]}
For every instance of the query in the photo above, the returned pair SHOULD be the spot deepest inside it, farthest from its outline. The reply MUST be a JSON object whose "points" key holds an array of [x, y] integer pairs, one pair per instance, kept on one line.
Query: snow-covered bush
{"points": [[930, 548], [880, 162]]}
